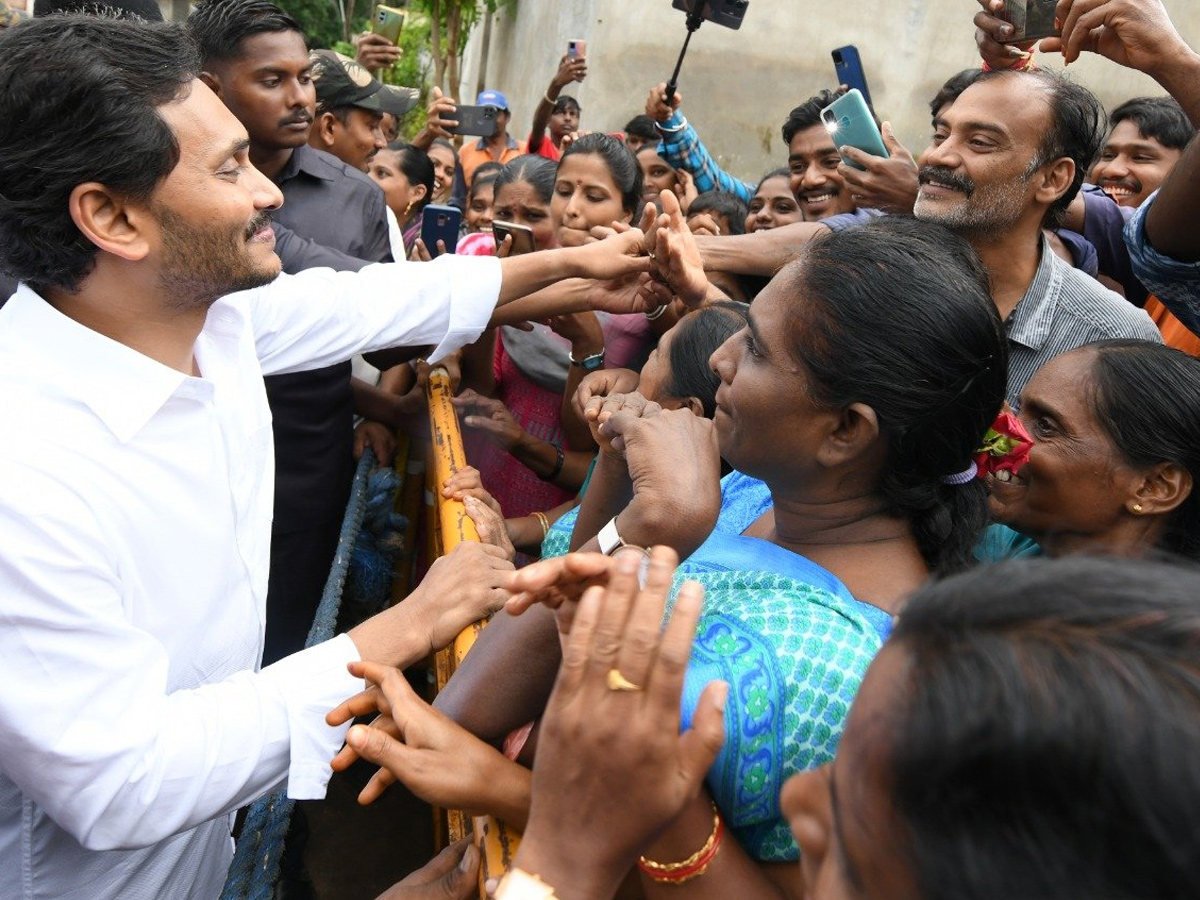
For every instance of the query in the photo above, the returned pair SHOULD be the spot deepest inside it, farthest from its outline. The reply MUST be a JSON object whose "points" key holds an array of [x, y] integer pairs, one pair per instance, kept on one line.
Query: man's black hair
{"points": [[808, 113], [146, 10], [1160, 118], [79, 96], [643, 127], [566, 103], [948, 92], [722, 203], [219, 26], [1045, 740], [1077, 128]]}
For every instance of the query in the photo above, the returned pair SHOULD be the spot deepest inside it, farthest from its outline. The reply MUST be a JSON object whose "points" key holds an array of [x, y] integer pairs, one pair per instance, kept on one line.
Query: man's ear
{"points": [[324, 128], [854, 434], [110, 221], [1055, 179], [213, 82]]}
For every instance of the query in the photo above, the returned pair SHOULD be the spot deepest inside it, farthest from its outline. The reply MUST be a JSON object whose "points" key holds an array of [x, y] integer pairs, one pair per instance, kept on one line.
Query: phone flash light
{"points": [[831, 126]]}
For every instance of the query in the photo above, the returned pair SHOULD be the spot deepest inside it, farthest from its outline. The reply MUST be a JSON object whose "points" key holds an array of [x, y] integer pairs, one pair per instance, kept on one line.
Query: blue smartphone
{"points": [[440, 223], [850, 122], [847, 65]]}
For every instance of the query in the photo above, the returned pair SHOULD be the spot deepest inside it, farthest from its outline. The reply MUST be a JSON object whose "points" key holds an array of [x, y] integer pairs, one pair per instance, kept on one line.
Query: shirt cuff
{"points": [[475, 283], [312, 682]]}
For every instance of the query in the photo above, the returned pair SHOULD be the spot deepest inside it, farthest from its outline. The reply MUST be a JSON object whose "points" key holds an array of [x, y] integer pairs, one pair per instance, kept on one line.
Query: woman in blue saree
{"points": [[850, 409]]}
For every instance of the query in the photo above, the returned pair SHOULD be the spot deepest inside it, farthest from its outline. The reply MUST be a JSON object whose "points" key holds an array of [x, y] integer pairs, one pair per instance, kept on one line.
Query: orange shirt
{"points": [[1175, 333], [475, 154]]}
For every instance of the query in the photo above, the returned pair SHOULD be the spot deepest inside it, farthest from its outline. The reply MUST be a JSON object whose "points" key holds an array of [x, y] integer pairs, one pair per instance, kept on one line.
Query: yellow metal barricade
{"points": [[497, 842]]}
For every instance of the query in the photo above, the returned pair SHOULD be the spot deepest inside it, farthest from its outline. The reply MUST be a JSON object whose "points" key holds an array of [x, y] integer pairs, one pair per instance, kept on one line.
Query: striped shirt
{"points": [[682, 148], [1064, 309]]}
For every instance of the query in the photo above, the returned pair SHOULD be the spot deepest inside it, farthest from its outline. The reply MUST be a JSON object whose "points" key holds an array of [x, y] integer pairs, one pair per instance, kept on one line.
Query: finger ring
{"points": [[618, 682]]}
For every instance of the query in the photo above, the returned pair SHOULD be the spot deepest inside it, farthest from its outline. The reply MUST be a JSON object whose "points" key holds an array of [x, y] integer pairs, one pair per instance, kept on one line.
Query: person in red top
{"points": [[557, 110]]}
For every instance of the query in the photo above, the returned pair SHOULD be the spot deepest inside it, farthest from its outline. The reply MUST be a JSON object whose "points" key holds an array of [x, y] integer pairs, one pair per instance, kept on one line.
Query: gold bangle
{"points": [[650, 866], [543, 521]]}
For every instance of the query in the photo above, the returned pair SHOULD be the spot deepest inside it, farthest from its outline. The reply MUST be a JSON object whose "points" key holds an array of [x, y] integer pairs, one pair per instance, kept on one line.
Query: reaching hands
{"points": [[676, 256], [884, 182], [613, 757], [492, 418], [462, 587], [435, 758]]}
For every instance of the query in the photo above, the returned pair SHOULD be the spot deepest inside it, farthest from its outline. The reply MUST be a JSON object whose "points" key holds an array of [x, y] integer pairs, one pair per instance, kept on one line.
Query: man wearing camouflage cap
{"points": [[350, 105]]}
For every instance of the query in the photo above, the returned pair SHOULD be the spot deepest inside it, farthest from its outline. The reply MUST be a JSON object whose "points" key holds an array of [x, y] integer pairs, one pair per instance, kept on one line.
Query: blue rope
{"points": [[255, 866]]}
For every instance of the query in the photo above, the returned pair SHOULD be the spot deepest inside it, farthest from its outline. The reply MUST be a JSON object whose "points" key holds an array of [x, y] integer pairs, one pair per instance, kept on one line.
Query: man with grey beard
{"points": [[1008, 156]]}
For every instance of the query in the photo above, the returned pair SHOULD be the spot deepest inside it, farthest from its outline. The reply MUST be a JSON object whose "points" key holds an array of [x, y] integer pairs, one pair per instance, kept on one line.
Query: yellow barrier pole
{"points": [[496, 841]]}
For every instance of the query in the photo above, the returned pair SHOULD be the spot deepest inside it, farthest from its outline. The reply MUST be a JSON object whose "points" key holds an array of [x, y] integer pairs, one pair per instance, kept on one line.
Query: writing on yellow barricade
{"points": [[497, 842]]}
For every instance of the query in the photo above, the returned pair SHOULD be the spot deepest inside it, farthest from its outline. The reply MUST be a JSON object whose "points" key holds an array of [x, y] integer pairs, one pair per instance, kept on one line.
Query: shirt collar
{"points": [[124, 388], [512, 144], [1032, 321], [304, 159]]}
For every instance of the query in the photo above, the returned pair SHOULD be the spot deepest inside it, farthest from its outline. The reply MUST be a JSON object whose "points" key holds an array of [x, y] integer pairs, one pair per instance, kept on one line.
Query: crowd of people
{"points": [[840, 524]]}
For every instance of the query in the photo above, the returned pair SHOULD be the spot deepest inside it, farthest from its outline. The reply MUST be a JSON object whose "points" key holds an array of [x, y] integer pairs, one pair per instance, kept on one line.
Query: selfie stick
{"points": [[695, 18]]}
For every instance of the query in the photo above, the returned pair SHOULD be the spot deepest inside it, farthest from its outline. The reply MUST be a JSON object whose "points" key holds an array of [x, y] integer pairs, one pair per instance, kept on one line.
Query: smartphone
{"points": [[388, 22], [847, 65], [577, 49], [849, 120], [720, 12], [522, 236], [475, 120], [440, 223], [1031, 20]]}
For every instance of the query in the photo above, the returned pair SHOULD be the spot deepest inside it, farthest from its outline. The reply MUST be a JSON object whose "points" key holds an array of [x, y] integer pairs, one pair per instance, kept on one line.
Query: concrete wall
{"points": [[738, 86]]}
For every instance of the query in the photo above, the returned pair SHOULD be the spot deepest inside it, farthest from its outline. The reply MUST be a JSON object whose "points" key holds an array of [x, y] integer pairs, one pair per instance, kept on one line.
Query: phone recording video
{"points": [[1031, 20]]}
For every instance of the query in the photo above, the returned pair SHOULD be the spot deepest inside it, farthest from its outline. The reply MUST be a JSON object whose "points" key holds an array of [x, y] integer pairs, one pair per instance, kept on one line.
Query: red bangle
{"points": [[692, 867]]}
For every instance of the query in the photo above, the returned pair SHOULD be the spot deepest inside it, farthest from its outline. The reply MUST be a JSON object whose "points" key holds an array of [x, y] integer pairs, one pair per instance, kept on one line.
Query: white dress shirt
{"points": [[135, 521]]}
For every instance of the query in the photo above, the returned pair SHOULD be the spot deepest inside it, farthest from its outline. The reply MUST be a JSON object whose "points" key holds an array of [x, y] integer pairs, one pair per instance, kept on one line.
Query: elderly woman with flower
{"points": [[1104, 457]]}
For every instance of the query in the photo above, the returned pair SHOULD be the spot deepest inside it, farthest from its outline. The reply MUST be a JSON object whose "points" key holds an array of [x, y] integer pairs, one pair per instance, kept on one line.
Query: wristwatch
{"points": [[611, 541], [588, 363]]}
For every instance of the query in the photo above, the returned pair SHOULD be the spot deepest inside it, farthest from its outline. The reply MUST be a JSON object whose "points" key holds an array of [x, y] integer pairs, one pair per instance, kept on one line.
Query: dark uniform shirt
{"points": [[337, 207]]}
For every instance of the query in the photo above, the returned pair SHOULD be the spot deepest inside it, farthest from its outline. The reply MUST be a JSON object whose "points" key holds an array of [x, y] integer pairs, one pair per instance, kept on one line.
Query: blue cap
{"points": [[492, 98]]}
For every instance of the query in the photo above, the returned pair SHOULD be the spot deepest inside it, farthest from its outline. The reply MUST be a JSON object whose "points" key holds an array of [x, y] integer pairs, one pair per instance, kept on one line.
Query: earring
{"points": [[1137, 507], [407, 210]]}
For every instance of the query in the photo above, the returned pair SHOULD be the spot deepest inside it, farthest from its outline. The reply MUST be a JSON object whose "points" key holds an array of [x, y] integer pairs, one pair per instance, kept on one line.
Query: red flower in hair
{"points": [[1005, 448]]}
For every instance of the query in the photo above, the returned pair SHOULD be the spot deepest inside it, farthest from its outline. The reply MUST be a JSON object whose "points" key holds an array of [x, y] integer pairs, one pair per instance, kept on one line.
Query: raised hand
{"points": [[374, 51], [677, 259], [610, 751]]}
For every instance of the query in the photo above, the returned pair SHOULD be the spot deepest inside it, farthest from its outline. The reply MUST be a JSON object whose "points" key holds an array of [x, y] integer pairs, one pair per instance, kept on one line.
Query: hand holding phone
{"points": [[440, 223], [479, 121], [1031, 20], [850, 123], [522, 236]]}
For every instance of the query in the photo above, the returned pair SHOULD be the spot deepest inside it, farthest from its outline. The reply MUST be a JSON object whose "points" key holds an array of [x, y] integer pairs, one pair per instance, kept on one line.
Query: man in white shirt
{"points": [[137, 471]]}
